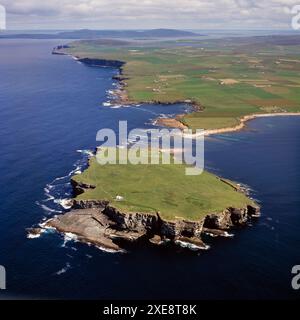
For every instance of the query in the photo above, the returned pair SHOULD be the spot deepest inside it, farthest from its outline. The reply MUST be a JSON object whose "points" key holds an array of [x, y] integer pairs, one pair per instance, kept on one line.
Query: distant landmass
{"points": [[96, 34]]}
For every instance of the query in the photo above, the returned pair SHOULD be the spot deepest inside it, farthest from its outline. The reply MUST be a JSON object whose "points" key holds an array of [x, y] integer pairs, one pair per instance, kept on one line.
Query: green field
{"points": [[227, 78], [159, 188]]}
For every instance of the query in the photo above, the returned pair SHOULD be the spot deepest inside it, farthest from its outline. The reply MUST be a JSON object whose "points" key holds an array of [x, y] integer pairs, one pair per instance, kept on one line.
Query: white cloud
{"points": [[149, 13]]}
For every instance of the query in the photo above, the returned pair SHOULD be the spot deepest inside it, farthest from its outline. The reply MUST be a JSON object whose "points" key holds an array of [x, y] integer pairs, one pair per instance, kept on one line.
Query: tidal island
{"points": [[157, 204]]}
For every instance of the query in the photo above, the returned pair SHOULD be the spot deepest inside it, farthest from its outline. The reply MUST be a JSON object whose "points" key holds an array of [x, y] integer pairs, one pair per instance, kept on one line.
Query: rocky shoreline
{"points": [[97, 222]]}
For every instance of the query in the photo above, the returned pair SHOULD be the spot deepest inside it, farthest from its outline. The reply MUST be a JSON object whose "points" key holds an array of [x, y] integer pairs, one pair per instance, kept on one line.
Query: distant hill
{"points": [[96, 34]]}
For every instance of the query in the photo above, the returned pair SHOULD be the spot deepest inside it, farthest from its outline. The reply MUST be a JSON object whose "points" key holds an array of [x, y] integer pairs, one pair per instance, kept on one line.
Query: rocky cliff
{"points": [[102, 62], [98, 222]]}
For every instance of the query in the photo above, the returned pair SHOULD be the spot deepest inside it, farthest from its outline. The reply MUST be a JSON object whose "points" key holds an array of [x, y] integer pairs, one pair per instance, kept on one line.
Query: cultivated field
{"points": [[227, 78]]}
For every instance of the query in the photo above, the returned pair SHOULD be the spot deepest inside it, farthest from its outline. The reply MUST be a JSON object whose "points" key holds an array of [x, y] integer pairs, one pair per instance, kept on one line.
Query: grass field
{"points": [[228, 78], [159, 188]]}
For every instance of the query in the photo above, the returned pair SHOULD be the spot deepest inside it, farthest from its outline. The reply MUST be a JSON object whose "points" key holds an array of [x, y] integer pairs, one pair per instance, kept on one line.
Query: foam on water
{"points": [[109, 250], [47, 209], [116, 107], [86, 152], [191, 246], [33, 236], [64, 269], [61, 186], [68, 236], [65, 203], [228, 235]]}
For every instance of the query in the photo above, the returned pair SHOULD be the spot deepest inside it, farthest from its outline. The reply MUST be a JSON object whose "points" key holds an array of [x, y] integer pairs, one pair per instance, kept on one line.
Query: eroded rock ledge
{"points": [[96, 222]]}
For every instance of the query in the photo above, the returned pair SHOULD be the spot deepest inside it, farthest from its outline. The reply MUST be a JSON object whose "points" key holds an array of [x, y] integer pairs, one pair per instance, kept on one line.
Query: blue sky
{"points": [[144, 14]]}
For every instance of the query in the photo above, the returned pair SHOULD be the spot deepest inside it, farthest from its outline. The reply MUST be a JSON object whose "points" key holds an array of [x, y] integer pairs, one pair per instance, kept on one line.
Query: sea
{"points": [[51, 109]]}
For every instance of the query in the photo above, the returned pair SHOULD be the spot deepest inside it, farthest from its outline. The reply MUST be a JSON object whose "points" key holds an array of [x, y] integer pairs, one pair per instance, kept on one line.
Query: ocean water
{"points": [[51, 108]]}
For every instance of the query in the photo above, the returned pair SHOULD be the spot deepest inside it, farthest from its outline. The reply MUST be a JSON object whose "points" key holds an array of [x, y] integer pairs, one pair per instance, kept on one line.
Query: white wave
{"points": [[163, 115], [49, 197], [86, 152], [33, 235], [224, 234], [257, 215], [228, 235], [116, 107], [65, 203], [46, 227], [48, 188], [106, 104], [109, 250], [59, 178], [48, 194], [191, 246], [211, 234], [68, 236], [64, 269], [77, 168], [47, 209]]}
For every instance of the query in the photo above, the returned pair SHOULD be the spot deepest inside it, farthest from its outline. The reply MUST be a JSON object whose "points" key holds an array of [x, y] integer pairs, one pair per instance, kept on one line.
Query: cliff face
{"points": [[138, 222], [230, 217], [144, 222], [135, 225], [102, 62], [60, 49]]}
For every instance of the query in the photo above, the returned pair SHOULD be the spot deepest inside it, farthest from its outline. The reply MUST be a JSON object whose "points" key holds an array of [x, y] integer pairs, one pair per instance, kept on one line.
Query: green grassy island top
{"points": [[159, 188], [227, 78]]}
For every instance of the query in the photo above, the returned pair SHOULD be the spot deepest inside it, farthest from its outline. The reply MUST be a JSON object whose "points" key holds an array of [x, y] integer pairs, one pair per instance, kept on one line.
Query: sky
{"points": [[146, 14]]}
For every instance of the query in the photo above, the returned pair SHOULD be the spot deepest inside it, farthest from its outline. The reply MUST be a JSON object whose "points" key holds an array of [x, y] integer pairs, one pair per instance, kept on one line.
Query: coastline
{"points": [[121, 98], [102, 224], [245, 119], [176, 123], [132, 226]]}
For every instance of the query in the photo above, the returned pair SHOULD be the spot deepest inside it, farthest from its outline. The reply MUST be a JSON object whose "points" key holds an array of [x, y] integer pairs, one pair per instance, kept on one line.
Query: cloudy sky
{"points": [[143, 14]]}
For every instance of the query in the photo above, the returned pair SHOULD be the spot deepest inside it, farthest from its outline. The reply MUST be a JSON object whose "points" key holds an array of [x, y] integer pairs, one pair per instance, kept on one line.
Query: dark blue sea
{"points": [[51, 108]]}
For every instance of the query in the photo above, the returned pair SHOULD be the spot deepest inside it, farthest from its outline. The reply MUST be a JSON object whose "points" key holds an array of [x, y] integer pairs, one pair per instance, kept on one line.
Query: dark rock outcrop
{"points": [[96, 221], [102, 62], [80, 187], [231, 217], [60, 49]]}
